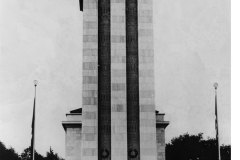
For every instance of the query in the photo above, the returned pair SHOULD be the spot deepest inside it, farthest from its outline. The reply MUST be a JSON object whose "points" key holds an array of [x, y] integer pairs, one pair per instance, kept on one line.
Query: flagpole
{"points": [[33, 148], [216, 123]]}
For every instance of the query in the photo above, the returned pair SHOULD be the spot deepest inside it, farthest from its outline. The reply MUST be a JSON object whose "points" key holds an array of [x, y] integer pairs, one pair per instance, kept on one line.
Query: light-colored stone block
{"points": [[73, 138]]}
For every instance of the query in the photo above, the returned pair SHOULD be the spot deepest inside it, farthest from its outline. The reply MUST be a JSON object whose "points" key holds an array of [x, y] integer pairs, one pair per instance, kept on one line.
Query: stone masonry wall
{"points": [[161, 144], [118, 81], [73, 144], [90, 81], [146, 81]]}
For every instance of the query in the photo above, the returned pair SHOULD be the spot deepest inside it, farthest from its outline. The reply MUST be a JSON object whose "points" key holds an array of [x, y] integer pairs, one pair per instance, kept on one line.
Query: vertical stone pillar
{"points": [[118, 81], [146, 81], [90, 81]]}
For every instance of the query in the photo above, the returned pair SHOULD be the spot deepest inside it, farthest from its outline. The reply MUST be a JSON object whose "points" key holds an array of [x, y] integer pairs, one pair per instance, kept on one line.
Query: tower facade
{"points": [[118, 119]]}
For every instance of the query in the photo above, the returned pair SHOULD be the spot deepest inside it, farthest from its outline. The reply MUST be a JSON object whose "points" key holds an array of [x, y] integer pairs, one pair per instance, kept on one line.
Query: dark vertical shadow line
{"points": [[104, 80], [133, 128]]}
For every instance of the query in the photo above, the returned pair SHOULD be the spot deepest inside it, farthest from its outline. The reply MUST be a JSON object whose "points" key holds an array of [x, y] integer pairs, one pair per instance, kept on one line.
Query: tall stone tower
{"points": [[118, 119]]}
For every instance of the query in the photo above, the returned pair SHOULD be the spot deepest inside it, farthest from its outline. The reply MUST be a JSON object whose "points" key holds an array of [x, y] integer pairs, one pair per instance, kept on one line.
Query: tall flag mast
{"points": [[33, 125], [216, 122]]}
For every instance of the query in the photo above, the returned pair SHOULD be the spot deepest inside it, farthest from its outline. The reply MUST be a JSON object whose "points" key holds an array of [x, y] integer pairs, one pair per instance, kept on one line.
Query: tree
{"points": [[26, 155], [225, 152], [8, 154], [182, 147], [52, 156], [193, 147]]}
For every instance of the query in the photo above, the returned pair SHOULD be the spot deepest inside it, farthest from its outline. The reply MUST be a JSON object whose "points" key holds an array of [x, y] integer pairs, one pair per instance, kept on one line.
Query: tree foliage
{"points": [[26, 155], [7, 154], [193, 147], [10, 154], [225, 152], [52, 156]]}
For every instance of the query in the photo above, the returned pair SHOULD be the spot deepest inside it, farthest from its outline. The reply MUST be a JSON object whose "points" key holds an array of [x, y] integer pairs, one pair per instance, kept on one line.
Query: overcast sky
{"points": [[42, 39]]}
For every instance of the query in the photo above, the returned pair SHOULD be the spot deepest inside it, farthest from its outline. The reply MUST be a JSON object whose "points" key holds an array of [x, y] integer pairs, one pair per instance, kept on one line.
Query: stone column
{"points": [[118, 81], [90, 81], [146, 81]]}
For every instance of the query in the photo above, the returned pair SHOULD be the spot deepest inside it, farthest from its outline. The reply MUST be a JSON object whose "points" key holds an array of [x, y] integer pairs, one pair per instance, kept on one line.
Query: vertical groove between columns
{"points": [[104, 80], [133, 131]]}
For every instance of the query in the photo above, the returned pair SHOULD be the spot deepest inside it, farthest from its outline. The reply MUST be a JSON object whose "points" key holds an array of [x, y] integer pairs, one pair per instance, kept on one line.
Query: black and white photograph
{"points": [[115, 80]]}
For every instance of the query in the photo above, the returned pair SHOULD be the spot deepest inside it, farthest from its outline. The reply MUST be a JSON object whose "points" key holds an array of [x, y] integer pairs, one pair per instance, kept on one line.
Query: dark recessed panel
{"points": [[104, 81], [133, 134]]}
